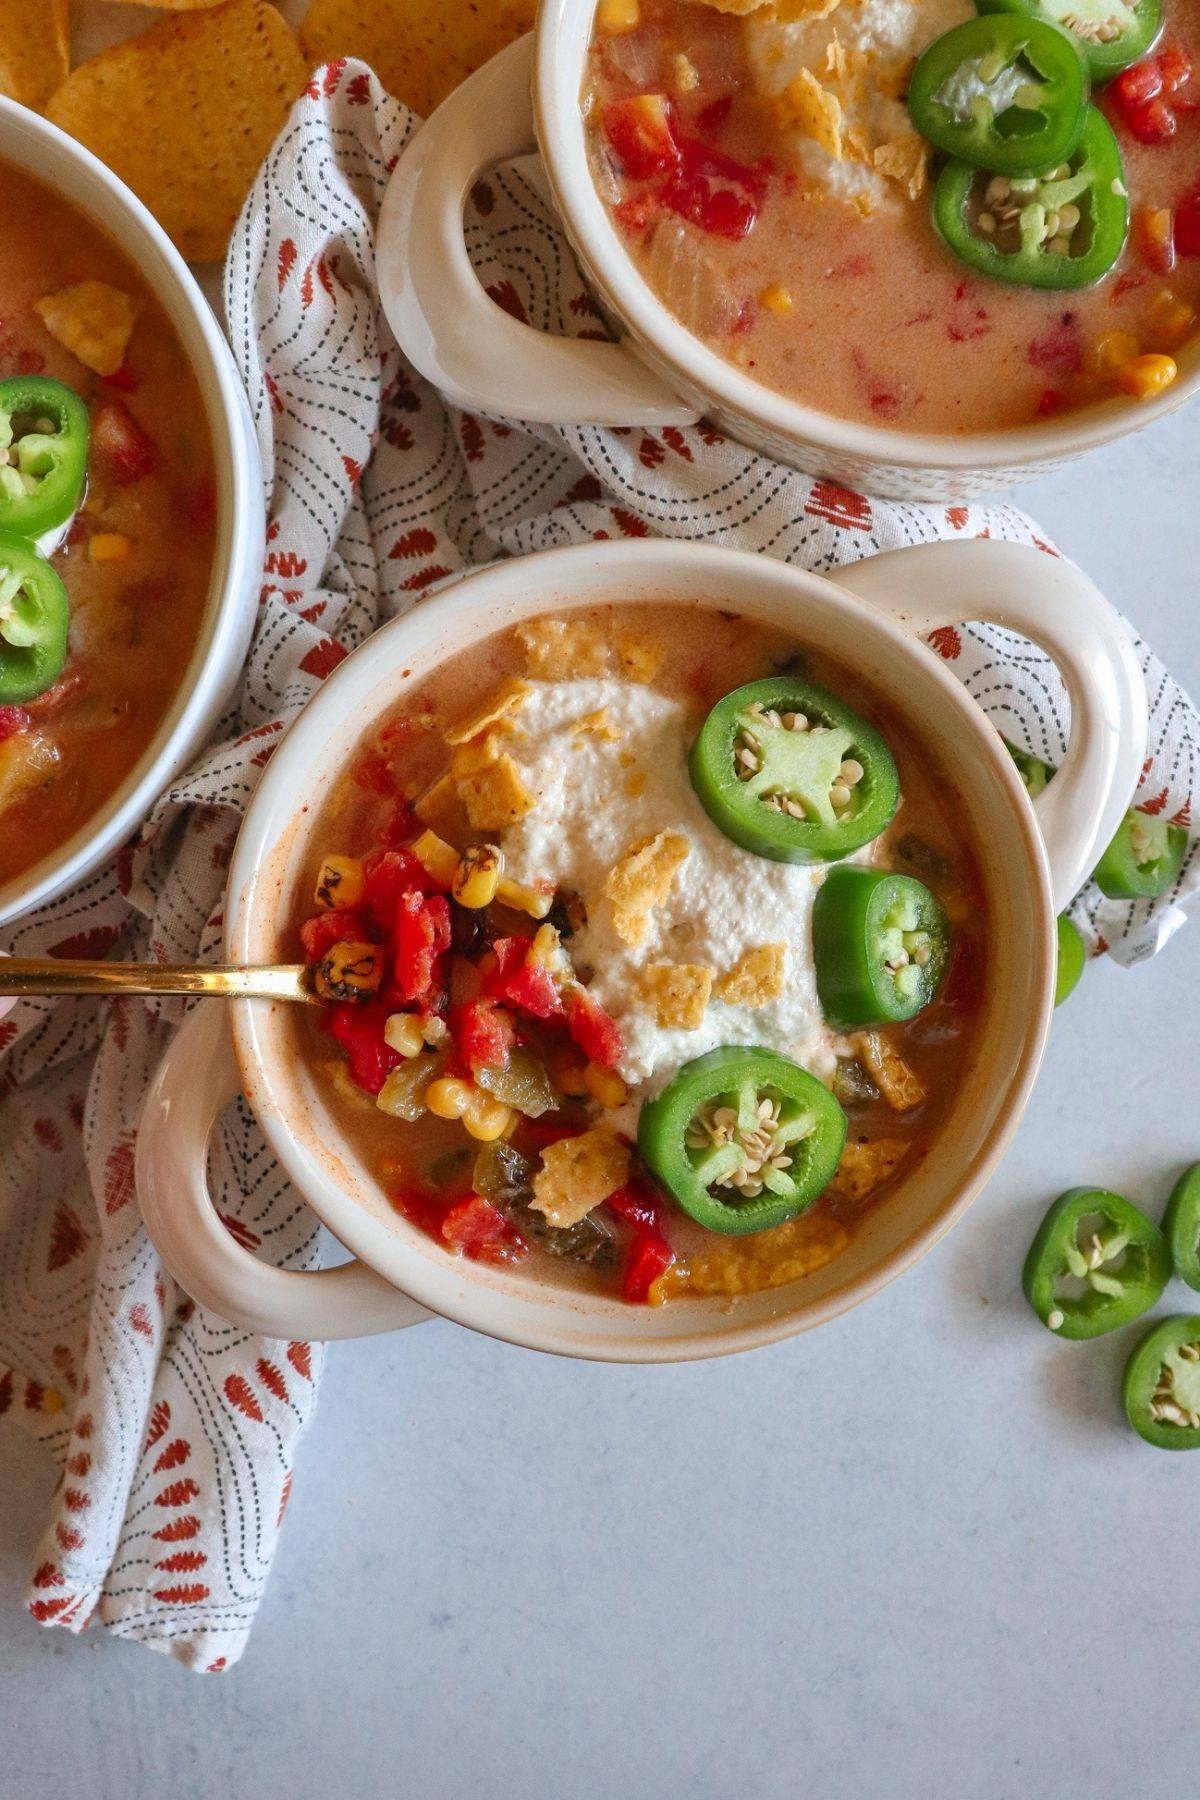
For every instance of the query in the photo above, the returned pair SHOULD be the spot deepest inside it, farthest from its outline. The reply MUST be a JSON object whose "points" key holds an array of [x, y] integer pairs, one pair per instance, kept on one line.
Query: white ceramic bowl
{"points": [[659, 374], [1031, 860], [30, 143]]}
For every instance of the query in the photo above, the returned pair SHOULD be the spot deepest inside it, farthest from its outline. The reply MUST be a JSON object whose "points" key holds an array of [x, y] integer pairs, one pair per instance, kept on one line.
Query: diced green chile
{"points": [[1143, 859], [1095, 1263], [1019, 251], [1129, 27], [522, 1083], [505, 1177], [1007, 93], [43, 476], [742, 1139], [1181, 1224], [1161, 1389], [34, 616], [748, 767], [1070, 961], [881, 943]]}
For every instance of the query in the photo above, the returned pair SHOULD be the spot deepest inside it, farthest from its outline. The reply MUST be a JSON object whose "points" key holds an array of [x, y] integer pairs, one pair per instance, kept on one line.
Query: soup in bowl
{"points": [[685, 940]]}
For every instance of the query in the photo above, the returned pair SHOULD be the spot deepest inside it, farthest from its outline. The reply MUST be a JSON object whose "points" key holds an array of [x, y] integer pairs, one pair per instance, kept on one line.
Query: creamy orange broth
{"points": [[883, 324], [134, 621], [424, 1165]]}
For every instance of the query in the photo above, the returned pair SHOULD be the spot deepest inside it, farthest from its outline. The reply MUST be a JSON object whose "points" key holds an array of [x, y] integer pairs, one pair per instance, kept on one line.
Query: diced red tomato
{"points": [[359, 1030], [399, 827], [722, 211], [1147, 98], [1187, 225], [123, 380], [420, 937], [481, 1035], [522, 981], [425, 1210], [1153, 228], [389, 874], [635, 213], [124, 452], [714, 115], [648, 1258], [1050, 402], [341, 924], [12, 720], [639, 1207], [641, 135], [597, 1035], [480, 1231], [375, 774]]}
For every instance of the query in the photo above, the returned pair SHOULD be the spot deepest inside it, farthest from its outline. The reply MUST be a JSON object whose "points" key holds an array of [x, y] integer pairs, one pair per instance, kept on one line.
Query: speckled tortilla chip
{"points": [[441, 809], [92, 320], [900, 1086], [556, 649], [186, 112], [864, 1167], [812, 110], [478, 753], [577, 1173], [904, 160], [420, 51], [597, 724], [755, 978], [496, 797], [679, 993], [504, 701], [35, 49], [642, 880], [639, 658]]}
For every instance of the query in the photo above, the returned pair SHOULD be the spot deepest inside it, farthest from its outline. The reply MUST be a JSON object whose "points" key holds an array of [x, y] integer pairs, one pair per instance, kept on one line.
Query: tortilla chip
{"points": [[504, 701], [597, 724], [864, 1167], [92, 320], [900, 1086], [556, 649], [642, 880], [639, 658], [755, 978], [419, 52], [813, 111], [790, 12], [35, 49], [496, 797], [577, 1173], [186, 112], [904, 160], [679, 992], [441, 809], [480, 753]]}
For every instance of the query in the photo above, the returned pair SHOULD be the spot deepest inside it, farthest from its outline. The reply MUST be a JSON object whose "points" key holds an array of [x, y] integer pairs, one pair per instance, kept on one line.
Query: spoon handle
{"points": [[24, 975]]}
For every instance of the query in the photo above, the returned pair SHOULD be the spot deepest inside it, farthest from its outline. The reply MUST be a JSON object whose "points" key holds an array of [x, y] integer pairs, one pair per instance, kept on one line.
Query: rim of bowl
{"points": [[563, 30], [273, 819], [72, 172]]}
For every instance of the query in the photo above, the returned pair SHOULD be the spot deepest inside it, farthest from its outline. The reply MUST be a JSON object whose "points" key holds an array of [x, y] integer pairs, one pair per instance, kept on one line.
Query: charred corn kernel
{"points": [[1111, 352], [1169, 319], [448, 1098], [340, 882], [685, 76], [571, 1080], [403, 1032], [605, 1086], [776, 298], [477, 876], [487, 1119], [348, 971], [1146, 376], [615, 16], [437, 856], [523, 899], [109, 546]]}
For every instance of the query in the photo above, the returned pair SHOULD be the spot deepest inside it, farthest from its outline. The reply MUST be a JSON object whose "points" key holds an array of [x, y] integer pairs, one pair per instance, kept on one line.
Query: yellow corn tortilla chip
{"points": [[186, 112], [597, 724], [679, 993], [35, 49], [864, 1167], [813, 111], [755, 978], [578, 1173], [496, 797], [639, 658], [789, 12], [904, 160], [556, 649], [504, 701], [900, 1085], [419, 51], [440, 808], [92, 320], [642, 880], [479, 753]]}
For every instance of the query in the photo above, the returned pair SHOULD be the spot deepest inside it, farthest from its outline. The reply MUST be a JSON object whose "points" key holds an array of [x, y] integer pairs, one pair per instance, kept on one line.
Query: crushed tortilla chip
{"points": [[577, 1173], [441, 809], [507, 698], [92, 320], [864, 1167], [813, 111], [639, 658], [756, 976], [598, 724], [479, 753], [642, 880], [904, 160], [35, 49], [900, 1086], [736, 8], [836, 63], [679, 993], [790, 12], [419, 52], [764, 1259], [186, 111], [556, 649], [496, 797]]}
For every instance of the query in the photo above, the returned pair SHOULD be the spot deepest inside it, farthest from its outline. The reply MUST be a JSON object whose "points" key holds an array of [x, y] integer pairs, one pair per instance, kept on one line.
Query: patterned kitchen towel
{"points": [[176, 1434]]}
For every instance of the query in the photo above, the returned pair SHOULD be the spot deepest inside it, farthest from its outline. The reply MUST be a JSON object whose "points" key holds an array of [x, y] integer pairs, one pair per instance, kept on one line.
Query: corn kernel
{"points": [[434, 1030], [348, 971], [776, 298], [685, 75], [109, 546], [403, 1032], [546, 947], [1147, 376], [448, 1098], [340, 882], [571, 1080], [523, 899], [477, 876], [1169, 320], [487, 1119], [616, 16], [605, 1086], [1111, 352], [439, 858]]}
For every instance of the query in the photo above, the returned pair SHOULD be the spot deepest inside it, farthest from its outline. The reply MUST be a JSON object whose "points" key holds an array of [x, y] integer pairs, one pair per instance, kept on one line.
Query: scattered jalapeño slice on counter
{"points": [[1063, 228], [880, 943], [1143, 859], [1005, 92], [1181, 1223], [44, 430], [742, 1139], [1070, 962], [1111, 34], [787, 770], [33, 622], [1095, 1263], [1161, 1389]]}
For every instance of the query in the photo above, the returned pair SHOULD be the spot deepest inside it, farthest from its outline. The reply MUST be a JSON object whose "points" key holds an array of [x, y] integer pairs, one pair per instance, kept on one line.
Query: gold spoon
{"points": [[26, 975]]}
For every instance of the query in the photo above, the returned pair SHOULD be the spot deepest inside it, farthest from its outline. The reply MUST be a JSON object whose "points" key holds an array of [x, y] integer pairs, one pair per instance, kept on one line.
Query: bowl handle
{"points": [[1051, 601], [448, 327], [196, 1081]]}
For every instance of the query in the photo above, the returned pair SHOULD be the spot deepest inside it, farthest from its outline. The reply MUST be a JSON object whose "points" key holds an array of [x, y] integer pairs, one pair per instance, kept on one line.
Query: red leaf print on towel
{"points": [[628, 523], [68, 1538], [839, 505], [418, 542], [238, 1393], [1156, 805], [285, 262], [300, 1357], [88, 944], [323, 658], [183, 1562], [272, 1378], [6, 1388], [179, 1530], [76, 1500], [358, 93], [423, 578], [139, 1318], [353, 470], [241, 1234], [285, 1494], [651, 453], [68, 1239], [957, 516], [175, 1453], [946, 641], [183, 1596], [118, 1173], [46, 1132], [472, 438], [48, 1575], [160, 1423], [675, 440], [177, 1493], [84, 1426], [505, 295]]}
